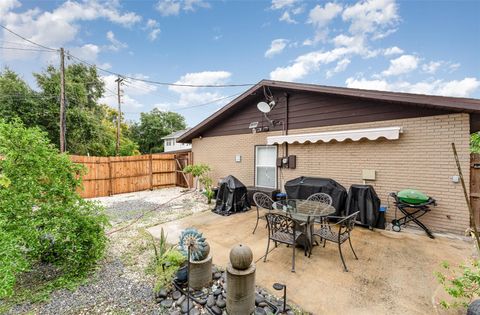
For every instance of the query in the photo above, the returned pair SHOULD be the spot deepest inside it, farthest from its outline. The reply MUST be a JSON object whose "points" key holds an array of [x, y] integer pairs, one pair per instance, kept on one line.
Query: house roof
{"points": [[453, 104], [176, 134]]}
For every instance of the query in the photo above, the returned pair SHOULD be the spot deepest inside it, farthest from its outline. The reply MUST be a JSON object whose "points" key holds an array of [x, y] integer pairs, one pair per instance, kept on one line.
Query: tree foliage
{"points": [[475, 143], [42, 217], [153, 126], [91, 126]]}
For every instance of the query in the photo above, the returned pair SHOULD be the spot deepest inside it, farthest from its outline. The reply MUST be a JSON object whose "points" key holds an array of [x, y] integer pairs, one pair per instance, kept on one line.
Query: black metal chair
{"points": [[321, 197], [283, 229], [263, 201], [326, 232]]}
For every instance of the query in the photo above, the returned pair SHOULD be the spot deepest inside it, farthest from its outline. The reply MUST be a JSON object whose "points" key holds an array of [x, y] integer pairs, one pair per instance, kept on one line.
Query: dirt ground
{"points": [[394, 273]]}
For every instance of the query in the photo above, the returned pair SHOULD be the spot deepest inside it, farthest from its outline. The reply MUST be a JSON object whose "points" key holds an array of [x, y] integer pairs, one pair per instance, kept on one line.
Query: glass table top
{"points": [[304, 209]]}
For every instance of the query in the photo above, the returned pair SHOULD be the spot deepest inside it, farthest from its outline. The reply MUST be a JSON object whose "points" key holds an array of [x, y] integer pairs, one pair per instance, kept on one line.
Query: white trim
{"points": [[274, 165], [389, 133]]}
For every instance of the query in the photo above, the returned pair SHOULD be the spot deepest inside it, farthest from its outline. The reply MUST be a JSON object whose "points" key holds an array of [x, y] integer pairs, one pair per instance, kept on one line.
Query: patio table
{"points": [[305, 211]]}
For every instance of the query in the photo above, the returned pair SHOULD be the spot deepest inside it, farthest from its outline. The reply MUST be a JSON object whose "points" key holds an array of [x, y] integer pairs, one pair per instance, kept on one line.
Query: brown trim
{"points": [[438, 103]]}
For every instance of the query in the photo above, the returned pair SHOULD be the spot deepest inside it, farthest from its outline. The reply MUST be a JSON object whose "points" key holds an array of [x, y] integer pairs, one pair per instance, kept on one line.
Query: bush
{"points": [[42, 217], [462, 286]]}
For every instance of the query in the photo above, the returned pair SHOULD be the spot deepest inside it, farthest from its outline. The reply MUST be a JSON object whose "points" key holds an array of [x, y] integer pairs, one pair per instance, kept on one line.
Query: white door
{"points": [[266, 166]]}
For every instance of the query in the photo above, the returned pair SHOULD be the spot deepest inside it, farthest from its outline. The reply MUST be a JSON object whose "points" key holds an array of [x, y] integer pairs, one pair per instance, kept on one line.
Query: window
{"points": [[168, 143], [266, 166]]}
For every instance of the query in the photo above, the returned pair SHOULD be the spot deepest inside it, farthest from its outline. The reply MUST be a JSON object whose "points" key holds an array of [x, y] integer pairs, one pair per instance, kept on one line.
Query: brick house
{"points": [[339, 133]]}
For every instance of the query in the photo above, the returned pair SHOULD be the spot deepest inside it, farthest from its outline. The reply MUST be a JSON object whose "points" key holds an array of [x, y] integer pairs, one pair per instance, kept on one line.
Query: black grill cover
{"points": [[363, 198], [302, 187], [231, 197]]}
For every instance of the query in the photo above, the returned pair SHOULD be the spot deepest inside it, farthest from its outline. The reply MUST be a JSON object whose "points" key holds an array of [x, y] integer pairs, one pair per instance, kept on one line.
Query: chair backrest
{"points": [[280, 223], [347, 223], [321, 197], [262, 200]]}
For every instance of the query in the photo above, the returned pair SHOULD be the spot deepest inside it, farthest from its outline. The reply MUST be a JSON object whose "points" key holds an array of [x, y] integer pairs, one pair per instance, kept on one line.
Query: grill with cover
{"points": [[303, 187], [231, 197]]}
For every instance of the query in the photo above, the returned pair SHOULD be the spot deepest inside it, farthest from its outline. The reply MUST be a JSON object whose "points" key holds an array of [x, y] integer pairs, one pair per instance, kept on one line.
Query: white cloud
{"points": [[173, 7], [340, 67], [371, 16], [153, 29], [432, 66], [115, 44], [280, 4], [320, 16], [198, 95], [392, 51], [307, 63], [454, 66], [286, 18], [276, 47], [459, 88], [401, 65], [60, 26], [130, 88]]}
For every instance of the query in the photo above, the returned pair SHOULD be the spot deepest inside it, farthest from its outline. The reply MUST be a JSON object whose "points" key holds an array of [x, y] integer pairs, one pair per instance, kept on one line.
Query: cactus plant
{"points": [[199, 249]]}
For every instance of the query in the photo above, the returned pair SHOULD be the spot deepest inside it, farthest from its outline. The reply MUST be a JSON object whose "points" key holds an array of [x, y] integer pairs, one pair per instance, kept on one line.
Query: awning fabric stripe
{"points": [[390, 133]]}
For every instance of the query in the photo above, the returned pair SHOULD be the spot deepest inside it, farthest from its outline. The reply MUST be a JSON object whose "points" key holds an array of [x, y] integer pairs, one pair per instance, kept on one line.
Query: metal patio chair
{"points": [[345, 225], [263, 201], [321, 197], [283, 229]]}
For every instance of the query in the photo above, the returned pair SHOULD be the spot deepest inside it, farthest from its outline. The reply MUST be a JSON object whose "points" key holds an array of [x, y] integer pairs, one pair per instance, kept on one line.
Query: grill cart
{"points": [[413, 205]]}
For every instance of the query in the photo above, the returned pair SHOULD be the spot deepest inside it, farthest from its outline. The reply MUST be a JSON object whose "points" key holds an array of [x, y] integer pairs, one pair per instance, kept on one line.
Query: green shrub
{"points": [[463, 286], [42, 217]]}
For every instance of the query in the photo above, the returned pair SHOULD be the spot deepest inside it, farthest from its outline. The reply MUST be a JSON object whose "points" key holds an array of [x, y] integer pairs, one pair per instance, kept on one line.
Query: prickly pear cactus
{"points": [[199, 249]]}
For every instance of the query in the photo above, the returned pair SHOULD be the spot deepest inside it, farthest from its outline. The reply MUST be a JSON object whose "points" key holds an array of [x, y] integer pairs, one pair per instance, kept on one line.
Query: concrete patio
{"points": [[394, 273]]}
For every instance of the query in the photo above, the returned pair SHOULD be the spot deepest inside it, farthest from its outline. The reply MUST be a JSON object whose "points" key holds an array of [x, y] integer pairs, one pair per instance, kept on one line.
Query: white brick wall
{"points": [[422, 158]]}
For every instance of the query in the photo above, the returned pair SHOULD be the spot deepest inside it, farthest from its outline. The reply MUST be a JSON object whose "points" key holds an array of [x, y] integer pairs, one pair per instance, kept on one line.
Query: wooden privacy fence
{"points": [[115, 175]]}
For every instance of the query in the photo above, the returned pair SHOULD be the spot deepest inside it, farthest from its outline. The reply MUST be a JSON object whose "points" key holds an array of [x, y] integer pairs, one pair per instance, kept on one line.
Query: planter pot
{"points": [[182, 274]]}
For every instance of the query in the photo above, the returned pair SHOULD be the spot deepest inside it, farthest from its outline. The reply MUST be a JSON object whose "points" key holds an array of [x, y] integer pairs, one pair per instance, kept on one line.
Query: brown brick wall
{"points": [[422, 158]]}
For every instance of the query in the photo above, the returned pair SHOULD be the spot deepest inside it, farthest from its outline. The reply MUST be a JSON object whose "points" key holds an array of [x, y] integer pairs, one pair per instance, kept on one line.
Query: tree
{"points": [[153, 126], [90, 126]]}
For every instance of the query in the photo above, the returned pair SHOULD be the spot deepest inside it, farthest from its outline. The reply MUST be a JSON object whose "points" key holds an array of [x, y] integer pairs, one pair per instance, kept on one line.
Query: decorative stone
{"points": [[176, 295], [200, 273], [210, 301], [181, 299], [217, 275], [260, 311], [474, 308], [259, 299], [241, 257], [162, 293], [217, 292], [221, 302], [216, 310], [184, 306], [167, 303]]}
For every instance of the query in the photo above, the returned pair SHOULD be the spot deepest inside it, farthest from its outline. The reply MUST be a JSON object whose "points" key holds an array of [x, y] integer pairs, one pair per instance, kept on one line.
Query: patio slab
{"points": [[394, 273]]}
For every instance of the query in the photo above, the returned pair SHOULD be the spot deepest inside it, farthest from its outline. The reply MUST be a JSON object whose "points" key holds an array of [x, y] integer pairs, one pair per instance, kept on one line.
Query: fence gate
{"points": [[182, 160], [475, 186]]}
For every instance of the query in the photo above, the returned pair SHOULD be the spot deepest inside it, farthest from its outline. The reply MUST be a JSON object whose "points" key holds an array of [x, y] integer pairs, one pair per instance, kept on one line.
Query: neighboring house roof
{"points": [[453, 104], [176, 134]]}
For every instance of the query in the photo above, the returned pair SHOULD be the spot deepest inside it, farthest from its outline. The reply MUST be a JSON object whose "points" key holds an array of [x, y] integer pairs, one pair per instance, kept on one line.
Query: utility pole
{"points": [[119, 118], [63, 143]]}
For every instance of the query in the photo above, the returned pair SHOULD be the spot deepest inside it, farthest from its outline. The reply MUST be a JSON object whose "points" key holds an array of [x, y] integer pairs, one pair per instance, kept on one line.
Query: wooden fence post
{"points": [[151, 172], [110, 179]]}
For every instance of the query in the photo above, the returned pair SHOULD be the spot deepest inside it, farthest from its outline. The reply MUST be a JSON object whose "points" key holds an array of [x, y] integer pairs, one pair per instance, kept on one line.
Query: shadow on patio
{"points": [[394, 273]]}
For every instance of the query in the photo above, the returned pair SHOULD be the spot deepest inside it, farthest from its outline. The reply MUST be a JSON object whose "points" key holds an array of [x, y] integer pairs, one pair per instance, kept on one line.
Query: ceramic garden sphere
{"points": [[241, 257]]}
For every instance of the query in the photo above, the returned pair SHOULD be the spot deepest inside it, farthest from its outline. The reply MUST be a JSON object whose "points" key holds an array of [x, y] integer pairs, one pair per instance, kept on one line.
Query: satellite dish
{"points": [[264, 107]]}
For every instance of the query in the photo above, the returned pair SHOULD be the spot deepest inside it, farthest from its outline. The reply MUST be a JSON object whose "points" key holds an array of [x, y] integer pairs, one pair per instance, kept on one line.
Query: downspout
{"points": [[285, 123]]}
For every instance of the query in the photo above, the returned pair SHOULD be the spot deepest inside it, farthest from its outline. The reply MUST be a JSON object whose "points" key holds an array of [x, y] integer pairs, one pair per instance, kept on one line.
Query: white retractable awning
{"points": [[390, 133]]}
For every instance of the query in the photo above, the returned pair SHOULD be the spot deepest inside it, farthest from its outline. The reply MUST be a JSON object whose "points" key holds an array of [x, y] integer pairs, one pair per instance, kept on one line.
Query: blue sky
{"points": [[428, 47]]}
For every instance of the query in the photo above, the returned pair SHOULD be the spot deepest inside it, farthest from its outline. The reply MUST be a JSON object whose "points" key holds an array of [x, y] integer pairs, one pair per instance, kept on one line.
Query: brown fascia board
{"points": [[455, 104]]}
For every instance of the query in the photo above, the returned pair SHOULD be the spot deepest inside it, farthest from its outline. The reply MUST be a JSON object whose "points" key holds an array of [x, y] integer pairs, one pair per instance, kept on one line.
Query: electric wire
{"points": [[26, 39]]}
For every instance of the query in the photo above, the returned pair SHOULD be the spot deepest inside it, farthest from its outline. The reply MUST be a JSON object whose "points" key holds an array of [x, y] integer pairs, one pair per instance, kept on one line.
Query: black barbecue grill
{"points": [[411, 212]]}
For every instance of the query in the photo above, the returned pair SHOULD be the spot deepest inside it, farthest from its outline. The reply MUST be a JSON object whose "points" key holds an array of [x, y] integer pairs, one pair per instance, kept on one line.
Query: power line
{"points": [[26, 39], [158, 82], [28, 49], [211, 102], [129, 77]]}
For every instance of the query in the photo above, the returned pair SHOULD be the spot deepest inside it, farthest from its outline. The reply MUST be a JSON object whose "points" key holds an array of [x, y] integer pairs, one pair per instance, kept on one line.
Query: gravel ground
{"points": [[121, 286]]}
